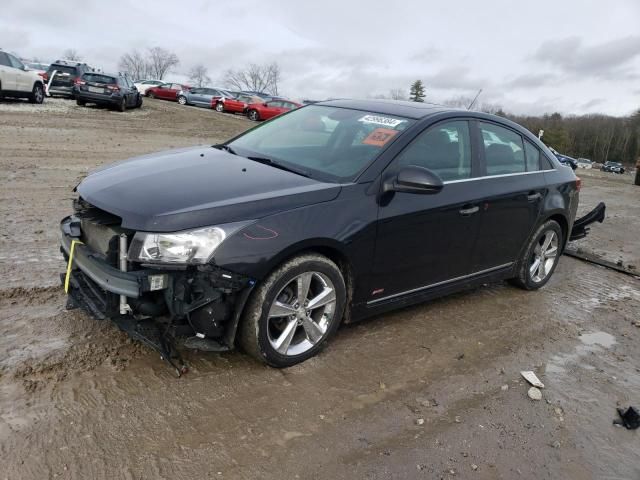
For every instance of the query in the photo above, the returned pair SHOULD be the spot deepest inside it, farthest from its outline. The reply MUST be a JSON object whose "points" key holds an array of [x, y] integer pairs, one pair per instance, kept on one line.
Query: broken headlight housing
{"points": [[186, 247]]}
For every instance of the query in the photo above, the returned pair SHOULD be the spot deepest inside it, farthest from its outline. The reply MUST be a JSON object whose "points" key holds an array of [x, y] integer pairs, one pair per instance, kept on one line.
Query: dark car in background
{"points": [[613, 167], [62, 75], [332, 212], [115, 90], [565, 160]]}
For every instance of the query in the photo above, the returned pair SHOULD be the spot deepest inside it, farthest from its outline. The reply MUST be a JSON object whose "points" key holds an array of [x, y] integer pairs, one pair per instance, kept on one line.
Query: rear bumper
{"points": [[580, 229], [98, 98]]}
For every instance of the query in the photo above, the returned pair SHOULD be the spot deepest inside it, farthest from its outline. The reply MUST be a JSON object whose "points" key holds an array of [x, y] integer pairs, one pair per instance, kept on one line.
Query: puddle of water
{"points": [[603, 339], [591, 342]]}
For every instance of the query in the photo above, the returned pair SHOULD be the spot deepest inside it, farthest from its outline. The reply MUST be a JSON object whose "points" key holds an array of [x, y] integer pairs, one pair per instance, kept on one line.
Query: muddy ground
{"points": [[427, 392]]}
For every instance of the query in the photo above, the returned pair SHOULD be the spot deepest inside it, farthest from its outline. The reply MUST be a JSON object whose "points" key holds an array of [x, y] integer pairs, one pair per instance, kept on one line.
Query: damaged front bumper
{"points": [[197, 306]]}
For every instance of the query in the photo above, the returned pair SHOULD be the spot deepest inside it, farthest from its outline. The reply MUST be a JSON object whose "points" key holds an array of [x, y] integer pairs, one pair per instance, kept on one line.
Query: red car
{"points": [[270, 109], [228, 104], [167, 91]]}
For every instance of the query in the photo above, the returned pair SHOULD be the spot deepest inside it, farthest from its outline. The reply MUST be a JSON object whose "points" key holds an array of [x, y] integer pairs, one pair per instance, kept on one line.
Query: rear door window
{"points": [[15, 63], [503, 150], [533, 156]]}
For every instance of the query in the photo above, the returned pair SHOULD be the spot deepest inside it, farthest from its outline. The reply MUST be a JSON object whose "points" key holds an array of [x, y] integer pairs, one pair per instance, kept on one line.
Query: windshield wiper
{"points": [[273, 163], [222, 146]]}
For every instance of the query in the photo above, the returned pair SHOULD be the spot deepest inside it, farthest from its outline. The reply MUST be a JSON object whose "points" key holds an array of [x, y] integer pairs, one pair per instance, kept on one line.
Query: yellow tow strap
{"points": [[69, 264]]}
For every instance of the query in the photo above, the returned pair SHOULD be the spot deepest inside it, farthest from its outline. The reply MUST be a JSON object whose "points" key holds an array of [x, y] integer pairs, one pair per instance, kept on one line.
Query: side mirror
{"points": [[414, 179]]}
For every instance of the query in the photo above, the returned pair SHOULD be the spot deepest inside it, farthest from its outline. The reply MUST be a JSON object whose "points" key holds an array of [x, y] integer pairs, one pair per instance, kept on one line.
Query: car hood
{"points": [[195, 187]]}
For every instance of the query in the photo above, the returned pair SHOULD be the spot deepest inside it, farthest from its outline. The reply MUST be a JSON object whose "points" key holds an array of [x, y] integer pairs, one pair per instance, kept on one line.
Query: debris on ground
{"points": [[504, 388], [531, 377], [534, 393], [420, 421], [629, 418]]}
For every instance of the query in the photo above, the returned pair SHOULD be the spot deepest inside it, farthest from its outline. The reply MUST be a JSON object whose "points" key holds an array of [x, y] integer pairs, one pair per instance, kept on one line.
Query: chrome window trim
{"points": [[497, 176], [438, 284]]}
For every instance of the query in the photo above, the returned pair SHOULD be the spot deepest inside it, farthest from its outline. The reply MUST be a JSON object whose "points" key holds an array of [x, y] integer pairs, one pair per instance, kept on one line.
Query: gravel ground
{"points": [[432, 391]]}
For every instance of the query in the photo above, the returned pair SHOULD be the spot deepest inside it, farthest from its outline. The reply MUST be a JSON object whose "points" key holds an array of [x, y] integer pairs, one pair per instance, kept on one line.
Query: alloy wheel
{"points": [[39, 94], [182, 100], [301, 313], [219, 107], [544, 256]]}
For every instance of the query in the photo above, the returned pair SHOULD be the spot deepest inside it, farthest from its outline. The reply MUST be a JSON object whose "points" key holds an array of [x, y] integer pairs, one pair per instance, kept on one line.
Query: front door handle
{"points": [[469, 211], [533, 196]]}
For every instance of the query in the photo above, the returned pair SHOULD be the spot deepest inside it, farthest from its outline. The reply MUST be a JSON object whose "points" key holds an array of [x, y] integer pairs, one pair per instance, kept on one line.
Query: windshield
{"points": [[331, 143]]}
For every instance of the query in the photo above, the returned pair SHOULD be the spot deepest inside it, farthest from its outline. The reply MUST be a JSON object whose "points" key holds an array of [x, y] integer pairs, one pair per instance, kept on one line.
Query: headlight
{"points": [[189, 246]]}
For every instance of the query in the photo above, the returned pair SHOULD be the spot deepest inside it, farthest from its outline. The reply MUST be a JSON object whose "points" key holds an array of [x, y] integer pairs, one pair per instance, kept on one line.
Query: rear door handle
{"points": [[469, 211], [533, 196]]}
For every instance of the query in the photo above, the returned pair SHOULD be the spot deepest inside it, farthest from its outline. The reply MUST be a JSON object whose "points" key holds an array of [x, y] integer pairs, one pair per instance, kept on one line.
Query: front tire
{"points": [[182, 100], [219, 107], [150, 95], [292, 314], [540, 257], [253, 115], [37, 95]]}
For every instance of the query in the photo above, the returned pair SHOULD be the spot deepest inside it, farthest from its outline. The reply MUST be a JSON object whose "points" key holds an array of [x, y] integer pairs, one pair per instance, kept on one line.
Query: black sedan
{"points": [[333, 212], [614, 167]]}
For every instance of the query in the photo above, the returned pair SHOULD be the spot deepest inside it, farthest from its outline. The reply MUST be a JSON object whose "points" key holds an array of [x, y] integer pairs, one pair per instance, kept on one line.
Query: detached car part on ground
{"points": [[332, 212]]}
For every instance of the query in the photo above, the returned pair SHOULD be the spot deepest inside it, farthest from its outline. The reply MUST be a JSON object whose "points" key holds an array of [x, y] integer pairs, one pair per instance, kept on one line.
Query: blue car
{"points": [[565, 160], [202, 97]]}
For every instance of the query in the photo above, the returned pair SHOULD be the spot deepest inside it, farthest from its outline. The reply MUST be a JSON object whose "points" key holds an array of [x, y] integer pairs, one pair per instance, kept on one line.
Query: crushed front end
{"points": [[161, 304]]}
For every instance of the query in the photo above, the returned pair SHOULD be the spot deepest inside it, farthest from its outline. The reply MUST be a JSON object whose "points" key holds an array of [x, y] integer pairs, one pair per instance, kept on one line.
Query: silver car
{"points": [[202, 97]]}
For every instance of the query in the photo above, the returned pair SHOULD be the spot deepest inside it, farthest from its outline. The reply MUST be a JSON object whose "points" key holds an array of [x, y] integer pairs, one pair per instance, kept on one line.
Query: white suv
{"points": [[18, 81]]}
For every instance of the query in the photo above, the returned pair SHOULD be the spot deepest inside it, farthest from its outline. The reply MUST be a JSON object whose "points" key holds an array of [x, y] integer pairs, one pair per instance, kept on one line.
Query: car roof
{"points": [[406, 109]]}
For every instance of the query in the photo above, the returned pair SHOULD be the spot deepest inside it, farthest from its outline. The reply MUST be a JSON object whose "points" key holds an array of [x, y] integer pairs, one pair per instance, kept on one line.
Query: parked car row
{"points": [[255, 105]]}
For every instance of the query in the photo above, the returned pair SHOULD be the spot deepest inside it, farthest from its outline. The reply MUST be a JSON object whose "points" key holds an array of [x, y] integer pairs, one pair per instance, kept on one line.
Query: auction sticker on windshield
{"points": [[380, 120], [379, 137]]}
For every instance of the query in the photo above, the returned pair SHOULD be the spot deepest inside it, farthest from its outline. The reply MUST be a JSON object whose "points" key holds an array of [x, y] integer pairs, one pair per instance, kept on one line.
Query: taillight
{"points": [[113, 88], [578, 183], [45, 76], [78, 81]]}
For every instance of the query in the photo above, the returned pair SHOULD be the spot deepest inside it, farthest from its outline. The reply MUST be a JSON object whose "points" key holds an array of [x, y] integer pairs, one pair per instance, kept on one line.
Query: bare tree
{"points": [[198, 76], [254, 77], [397, 94], [71, 54], [135, 64], [161, 61]]}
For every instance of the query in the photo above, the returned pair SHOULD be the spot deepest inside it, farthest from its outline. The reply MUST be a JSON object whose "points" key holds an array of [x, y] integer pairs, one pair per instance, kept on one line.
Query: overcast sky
{"points": [[572, 56]]}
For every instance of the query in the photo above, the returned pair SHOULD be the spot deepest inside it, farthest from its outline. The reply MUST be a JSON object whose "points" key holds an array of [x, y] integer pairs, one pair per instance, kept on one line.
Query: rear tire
{"points": [[80, 103], [253, 115], [122, 106], [280, 325], [540, 257], [37, 95], [139, 102]]}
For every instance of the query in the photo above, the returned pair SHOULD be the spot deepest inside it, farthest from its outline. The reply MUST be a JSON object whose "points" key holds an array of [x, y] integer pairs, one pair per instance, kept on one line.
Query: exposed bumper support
{"points": [[580, 229], [109, 278]]}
